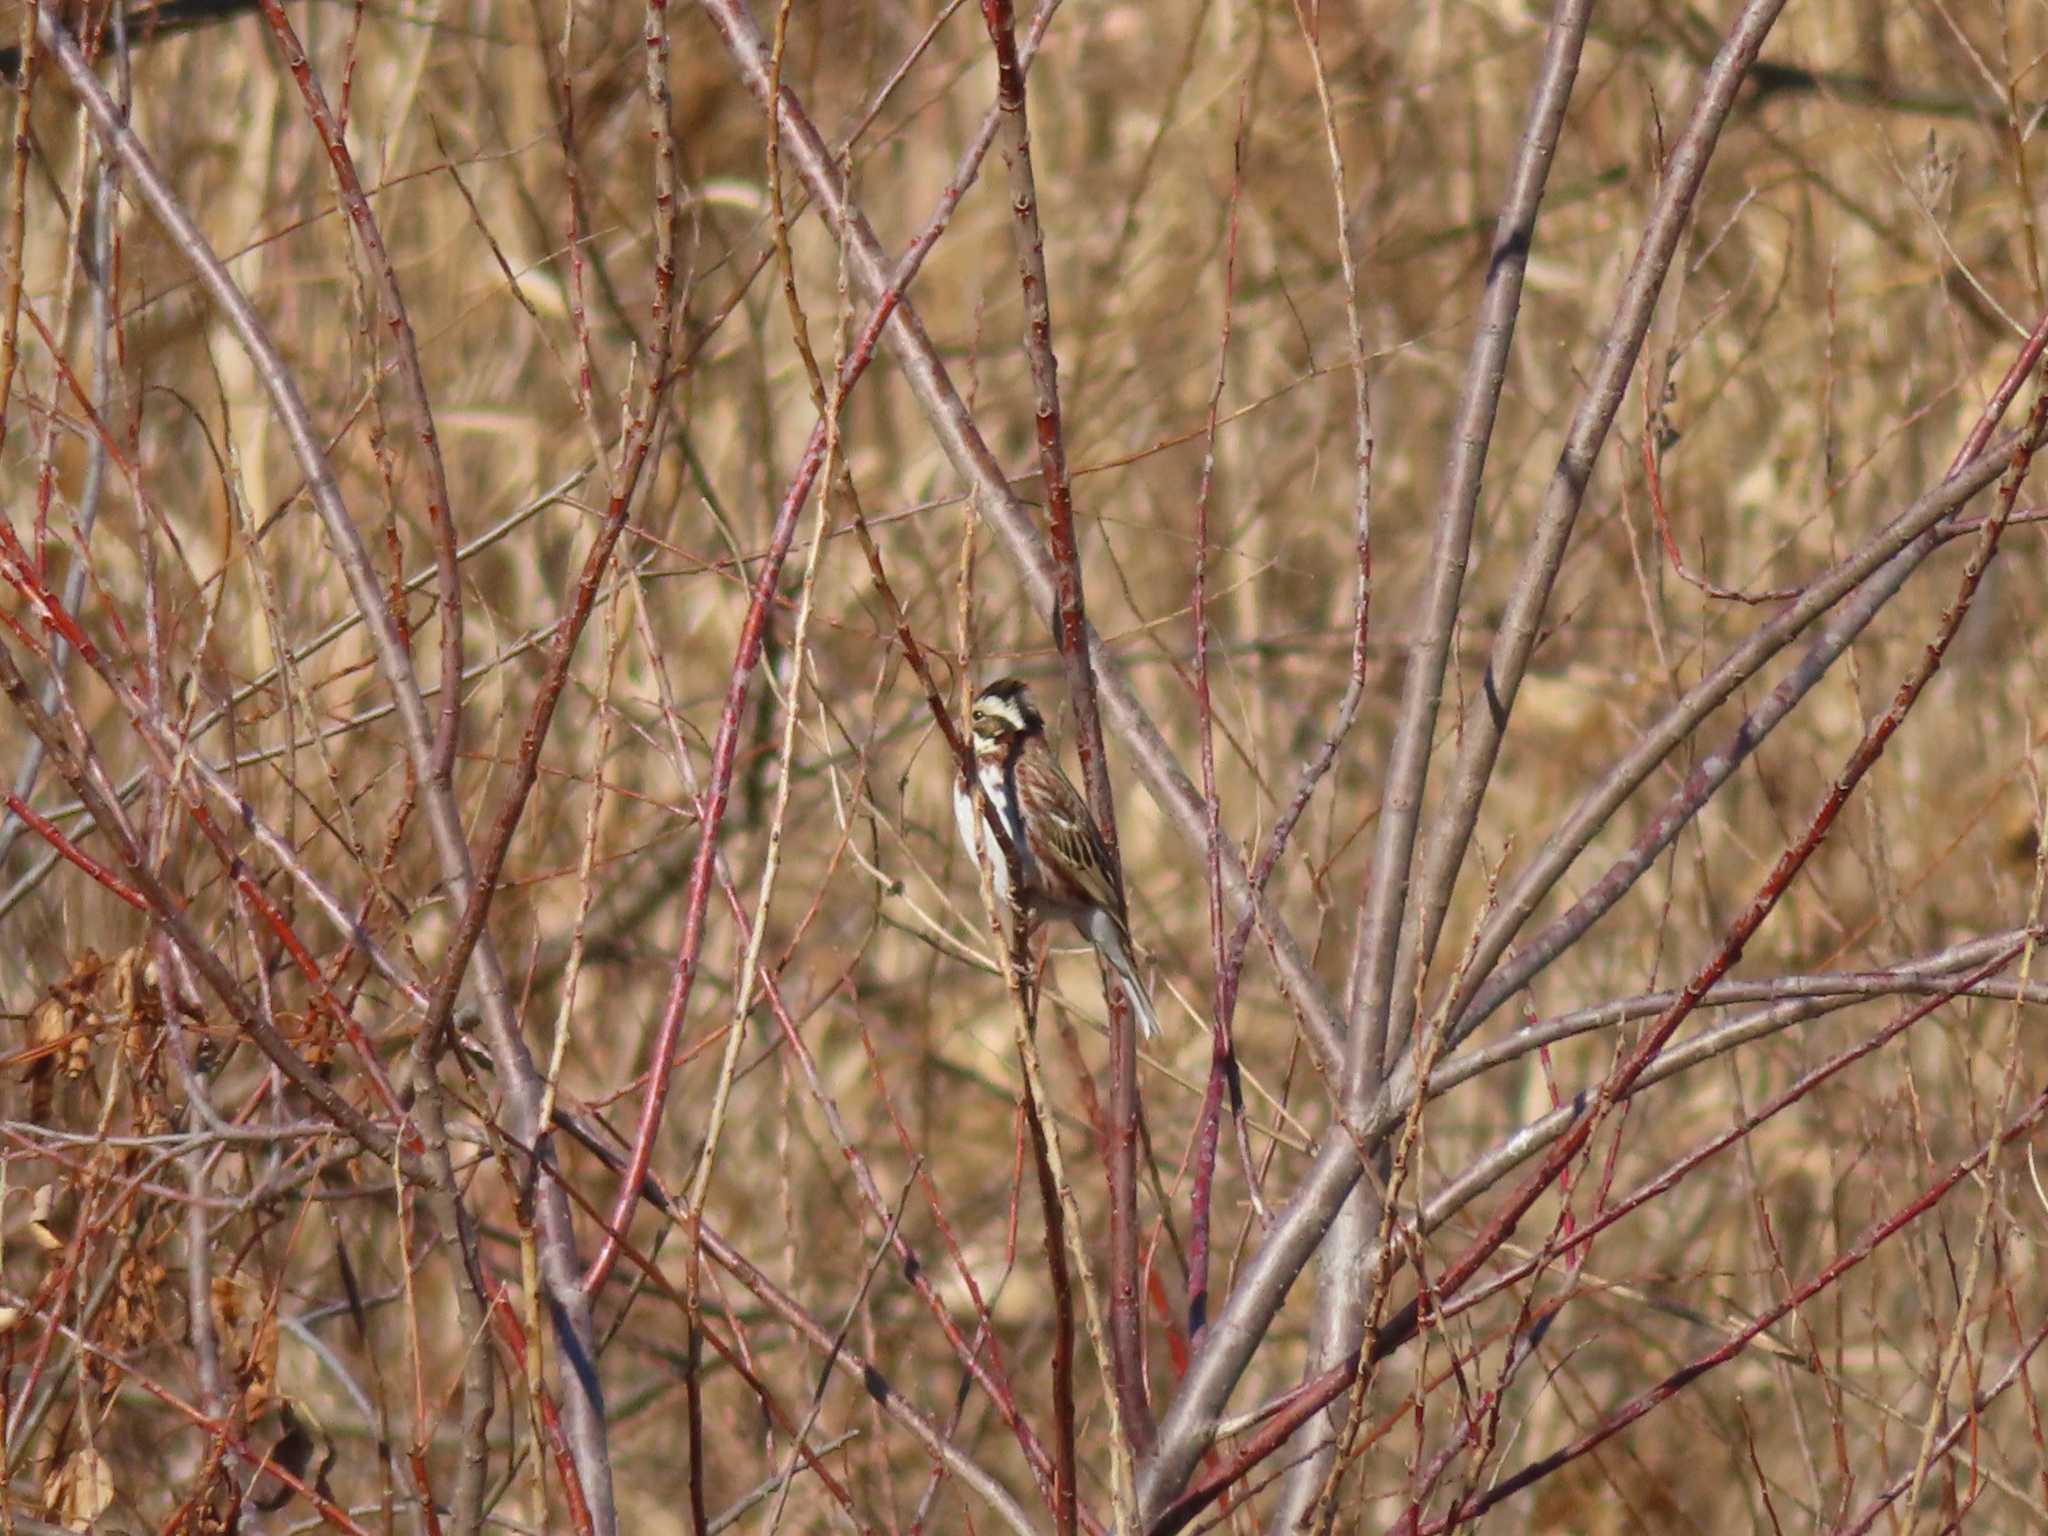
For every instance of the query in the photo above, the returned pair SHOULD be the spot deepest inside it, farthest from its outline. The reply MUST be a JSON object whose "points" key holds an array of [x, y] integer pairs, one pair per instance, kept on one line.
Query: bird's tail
{"points": [[1141, 1003], [1106, 935]]}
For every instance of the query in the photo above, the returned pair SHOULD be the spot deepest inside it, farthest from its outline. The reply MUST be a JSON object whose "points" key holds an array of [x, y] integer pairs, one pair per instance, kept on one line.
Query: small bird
{"points": [[1065, 868]]}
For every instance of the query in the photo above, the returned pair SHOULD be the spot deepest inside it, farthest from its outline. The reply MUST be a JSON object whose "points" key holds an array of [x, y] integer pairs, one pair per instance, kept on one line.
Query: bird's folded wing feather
{"points": [[1071, 835]]}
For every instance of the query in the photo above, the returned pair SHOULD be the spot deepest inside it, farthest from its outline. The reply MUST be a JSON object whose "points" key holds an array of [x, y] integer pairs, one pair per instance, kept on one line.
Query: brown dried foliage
{"points": [[219, 1312]]}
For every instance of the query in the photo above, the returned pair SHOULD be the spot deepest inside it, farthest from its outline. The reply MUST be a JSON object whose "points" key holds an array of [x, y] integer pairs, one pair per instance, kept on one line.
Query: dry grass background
{"points": [[1859, 272]]}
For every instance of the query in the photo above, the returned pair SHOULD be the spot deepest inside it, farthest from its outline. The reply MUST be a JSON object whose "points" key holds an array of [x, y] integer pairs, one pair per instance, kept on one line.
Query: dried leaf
{"points": [[134, 1320], [259, 1368], [61, 1029], [47, 1027], [83, 1489], [300, 1435], [41, 1209], [133, 1000], [227, 1301], [44, 1039], [84, 975]]}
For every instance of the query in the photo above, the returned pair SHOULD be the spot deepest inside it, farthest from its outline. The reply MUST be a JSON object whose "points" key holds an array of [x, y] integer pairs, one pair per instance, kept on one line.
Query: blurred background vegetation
{"points": [[1859, 273]]}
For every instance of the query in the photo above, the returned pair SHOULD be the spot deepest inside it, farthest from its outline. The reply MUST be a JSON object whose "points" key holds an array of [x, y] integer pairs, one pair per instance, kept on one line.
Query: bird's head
{"points": [[1002, 712]]}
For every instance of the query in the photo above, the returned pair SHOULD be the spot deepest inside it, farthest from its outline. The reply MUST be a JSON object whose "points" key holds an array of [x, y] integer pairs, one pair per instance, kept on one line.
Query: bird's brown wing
{"points": [[1073, 845]]}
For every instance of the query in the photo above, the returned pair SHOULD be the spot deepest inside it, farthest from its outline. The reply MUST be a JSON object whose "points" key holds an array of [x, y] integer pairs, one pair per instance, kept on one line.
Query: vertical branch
{"points": [[1374, 972], [1339, 1318], [1071, 617], [17, 211], [1070, 630], [201, 1338], [1222, 1063], [1263, 1281], [1064, 1492], [470, 1286]]}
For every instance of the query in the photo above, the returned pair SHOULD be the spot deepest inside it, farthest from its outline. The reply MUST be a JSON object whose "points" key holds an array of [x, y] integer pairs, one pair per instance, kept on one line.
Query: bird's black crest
{"points": [[1016, 694]]}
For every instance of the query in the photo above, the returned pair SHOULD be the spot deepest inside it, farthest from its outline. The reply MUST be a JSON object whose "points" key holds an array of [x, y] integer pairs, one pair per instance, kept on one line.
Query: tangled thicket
{"points": [[591, 1094]]}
